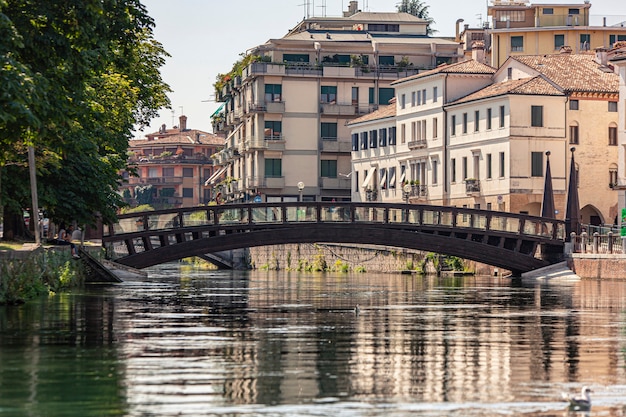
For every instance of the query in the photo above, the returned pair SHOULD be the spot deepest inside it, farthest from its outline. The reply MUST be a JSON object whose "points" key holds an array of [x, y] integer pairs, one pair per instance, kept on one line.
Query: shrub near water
{"points": [[48, 271]]}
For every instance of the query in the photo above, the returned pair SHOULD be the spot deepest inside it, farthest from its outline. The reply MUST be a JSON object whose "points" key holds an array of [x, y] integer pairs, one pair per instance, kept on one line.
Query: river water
{"points": [[183, 342]]}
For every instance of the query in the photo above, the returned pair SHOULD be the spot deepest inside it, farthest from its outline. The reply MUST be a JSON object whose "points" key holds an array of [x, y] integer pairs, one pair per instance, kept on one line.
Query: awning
{"points": [[233, 133], [368, 179], [403, 176], [383, 178], [392, 177], [215, 176], [219, 109]]}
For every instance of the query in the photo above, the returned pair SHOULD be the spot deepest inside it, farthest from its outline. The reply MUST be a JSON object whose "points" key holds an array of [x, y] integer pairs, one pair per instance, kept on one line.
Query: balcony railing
{"points": [[419, 191], [417, 144], [472, 186], [338, 109], [335, 145], [329, 183]]}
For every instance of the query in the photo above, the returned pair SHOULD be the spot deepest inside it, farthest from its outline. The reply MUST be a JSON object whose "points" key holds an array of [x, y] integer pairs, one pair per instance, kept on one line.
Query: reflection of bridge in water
{"points": [[505, 240]]}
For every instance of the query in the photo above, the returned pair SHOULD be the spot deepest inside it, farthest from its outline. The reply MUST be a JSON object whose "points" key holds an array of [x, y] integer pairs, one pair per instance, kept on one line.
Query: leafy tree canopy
{"points": [[419, 9], [75, 78]]}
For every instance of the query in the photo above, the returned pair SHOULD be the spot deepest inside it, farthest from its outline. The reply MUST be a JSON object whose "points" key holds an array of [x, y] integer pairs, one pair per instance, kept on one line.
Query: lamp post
{"points": [[300, 188], [407, 192]]}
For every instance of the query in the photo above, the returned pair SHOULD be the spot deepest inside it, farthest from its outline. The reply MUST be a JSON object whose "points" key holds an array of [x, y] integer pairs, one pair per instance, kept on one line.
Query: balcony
{"points": [[335, 109], [263, 68], [274, 182], [275, 106], [275, 143], [256, 107], [472, 186], [417, 144], [419, 191], [328, 183], [335, 146]]}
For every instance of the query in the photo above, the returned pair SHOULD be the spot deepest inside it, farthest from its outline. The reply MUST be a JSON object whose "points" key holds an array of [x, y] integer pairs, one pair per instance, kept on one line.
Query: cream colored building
{"points": [[516, 27], [497, 127], [285, 116], [619, 60]]}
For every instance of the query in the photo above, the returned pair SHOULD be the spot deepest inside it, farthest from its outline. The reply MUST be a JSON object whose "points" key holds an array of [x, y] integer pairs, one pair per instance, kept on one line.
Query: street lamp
{"points": [[407, 192], [300, 188]]}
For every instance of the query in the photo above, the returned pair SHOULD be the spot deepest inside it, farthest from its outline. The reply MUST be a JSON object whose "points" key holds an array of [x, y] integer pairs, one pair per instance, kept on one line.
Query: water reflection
{"points": [[276, 343]]}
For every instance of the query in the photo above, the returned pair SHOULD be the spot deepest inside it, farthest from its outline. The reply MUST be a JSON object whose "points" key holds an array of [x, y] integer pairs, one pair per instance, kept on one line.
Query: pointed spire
{"points": [[547, 206], [572, 215]]}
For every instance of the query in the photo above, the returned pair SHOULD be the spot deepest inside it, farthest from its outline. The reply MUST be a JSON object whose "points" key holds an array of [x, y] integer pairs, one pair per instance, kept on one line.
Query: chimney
{"points": [[458, 34], [478, 51], [183, 123], [353, 8], [163, 129], [602, 56]]}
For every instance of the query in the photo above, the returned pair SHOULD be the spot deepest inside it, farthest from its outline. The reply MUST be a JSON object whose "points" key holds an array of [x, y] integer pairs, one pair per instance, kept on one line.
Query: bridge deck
{"points": [[506, 240]]}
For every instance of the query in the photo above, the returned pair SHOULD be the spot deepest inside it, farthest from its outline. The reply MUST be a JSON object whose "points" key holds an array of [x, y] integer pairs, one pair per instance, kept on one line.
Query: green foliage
{"points": [[341, 266], [144, 194], [419, 9], [76, 78], [138, 209], [455, 263], [360, 269]]}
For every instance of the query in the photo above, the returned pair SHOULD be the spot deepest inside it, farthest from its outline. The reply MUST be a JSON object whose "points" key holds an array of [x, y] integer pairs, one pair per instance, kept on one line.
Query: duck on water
{"points": [[579, 402]]}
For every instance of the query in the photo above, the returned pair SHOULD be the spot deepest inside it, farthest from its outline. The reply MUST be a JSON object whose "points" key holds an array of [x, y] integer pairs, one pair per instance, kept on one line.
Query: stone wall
{"points": [[598, 266]]}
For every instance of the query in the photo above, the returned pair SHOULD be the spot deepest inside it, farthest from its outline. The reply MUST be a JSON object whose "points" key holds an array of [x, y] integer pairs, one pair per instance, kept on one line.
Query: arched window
{"points": [[613, 134], [612, 175], [573, 133]]}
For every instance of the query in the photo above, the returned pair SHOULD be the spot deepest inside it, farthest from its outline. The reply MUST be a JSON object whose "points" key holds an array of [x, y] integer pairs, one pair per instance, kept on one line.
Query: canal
{"points": [[184, 342]]}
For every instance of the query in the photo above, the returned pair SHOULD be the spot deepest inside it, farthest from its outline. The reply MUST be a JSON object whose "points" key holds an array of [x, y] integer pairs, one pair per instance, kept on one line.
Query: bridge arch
{"points": [[505, 240]]}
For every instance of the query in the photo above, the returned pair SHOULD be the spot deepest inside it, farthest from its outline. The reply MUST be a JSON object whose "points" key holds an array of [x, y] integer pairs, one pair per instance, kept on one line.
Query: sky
{"points": [[205, 37]]}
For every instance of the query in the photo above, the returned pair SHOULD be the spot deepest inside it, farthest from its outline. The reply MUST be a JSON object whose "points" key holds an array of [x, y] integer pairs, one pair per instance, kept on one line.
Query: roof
{"points": [[526, 86], [385, 17], [383, 112], [573, 72], [464, 67], [176, 137]]}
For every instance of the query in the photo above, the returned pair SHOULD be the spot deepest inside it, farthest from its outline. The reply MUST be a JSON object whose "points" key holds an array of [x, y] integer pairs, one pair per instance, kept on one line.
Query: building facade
{"points": [[171, 167], [285, 115]]}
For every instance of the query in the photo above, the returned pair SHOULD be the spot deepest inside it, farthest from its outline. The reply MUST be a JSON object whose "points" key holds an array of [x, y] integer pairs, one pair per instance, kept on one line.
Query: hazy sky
{"points": [[205, 37]]}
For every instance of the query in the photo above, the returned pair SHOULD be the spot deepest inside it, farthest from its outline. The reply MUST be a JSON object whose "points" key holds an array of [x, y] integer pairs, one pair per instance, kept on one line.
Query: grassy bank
{"points": [[44, 271]]}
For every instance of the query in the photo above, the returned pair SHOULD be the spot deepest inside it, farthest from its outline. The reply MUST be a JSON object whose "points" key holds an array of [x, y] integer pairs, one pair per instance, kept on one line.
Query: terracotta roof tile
{"points": [[526, 86], [464, 67], [573, 72], [176, 137], [383, 112]]}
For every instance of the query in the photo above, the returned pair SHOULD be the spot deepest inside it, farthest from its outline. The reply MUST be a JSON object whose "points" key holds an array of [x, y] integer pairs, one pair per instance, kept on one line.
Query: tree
{"points": [[75, 78], [419, 9]]}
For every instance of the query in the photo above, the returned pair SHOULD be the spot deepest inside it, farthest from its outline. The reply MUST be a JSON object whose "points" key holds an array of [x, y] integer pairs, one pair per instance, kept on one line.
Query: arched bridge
{"points": [[504, 240]]}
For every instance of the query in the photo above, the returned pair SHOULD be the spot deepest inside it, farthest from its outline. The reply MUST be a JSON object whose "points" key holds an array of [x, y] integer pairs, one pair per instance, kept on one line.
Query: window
{"points": [[476, 120], [612, 175], [355, 142], [364, 144], [402, 101], [385, 94], [273, 129], [329, 131], [273, 168], [517, 43], [489, 170], [488, 119], [613, 135], [188, 172], [187, 192], [355, 96], [464, 122], [501, 164], [424, 96], [453, 170], [613, 106], [383, 179], [373, 138], [435, 94], [273, 92], [573, 11], [573, 134], [616, 38], [328, 94], [434, 165], [536, 116], [392, 135], [548, 10], [559, 41], [536, 160], [386, 59], [435, 128], [296, 57], [585, 41], [328, 168], [502, 113], [152, 173], [419, 98], [413, 98], [382, 137], [464, 168], [510, 15], [452, 125], [382, 27], [392, 177], [403, 133], [573, 104], [168, 172], [371, 95]]}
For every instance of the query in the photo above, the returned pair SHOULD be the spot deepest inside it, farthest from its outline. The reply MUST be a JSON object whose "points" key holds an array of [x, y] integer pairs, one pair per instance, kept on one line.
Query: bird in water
{"points": [[579, 402]]}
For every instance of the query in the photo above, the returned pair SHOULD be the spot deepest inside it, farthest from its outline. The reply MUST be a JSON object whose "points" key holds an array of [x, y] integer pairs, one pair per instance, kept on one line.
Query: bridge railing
{"points": [[338, 212]]}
